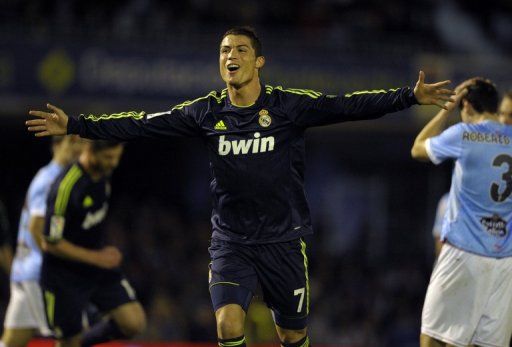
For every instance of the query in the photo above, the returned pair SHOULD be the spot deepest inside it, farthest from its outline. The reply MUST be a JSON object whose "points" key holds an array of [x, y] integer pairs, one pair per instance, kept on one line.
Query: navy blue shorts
{"points": [[66, 296], [281, 269]]}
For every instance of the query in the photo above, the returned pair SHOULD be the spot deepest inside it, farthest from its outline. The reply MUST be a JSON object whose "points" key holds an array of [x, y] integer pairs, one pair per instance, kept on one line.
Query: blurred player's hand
{"points": [[51, 123], [109, 257], [433, 94]]}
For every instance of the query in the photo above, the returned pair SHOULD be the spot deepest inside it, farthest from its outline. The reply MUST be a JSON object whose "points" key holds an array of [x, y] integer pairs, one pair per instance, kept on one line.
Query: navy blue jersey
{"points": [[256, 153], [76, 208]]}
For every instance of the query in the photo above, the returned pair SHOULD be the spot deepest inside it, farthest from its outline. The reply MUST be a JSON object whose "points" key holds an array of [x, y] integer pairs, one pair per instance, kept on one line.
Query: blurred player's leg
{"points": [[73, 341], [17, 337]]}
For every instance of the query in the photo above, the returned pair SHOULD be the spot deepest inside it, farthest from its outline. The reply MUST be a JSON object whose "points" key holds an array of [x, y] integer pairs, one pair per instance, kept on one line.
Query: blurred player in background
{"points": [[77, 267], [469, 298], [5, 241], [255, 139], [506, 109], [25, 314]]}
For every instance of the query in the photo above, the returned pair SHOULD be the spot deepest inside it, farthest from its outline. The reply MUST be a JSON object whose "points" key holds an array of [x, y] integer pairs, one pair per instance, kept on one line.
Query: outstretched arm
{"points": [[119, 126], [316, 109]]}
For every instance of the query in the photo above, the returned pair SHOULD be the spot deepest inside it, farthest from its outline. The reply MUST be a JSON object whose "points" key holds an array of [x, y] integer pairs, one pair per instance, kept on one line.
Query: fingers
{"points": [[53, 108], [421, 77], [37, 128], [441, 84], [42, 133], [41, 114], [446, 91], [35, 122], [446, 98]]}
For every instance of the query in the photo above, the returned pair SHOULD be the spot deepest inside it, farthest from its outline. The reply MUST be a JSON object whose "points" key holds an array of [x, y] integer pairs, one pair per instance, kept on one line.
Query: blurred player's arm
{"points": [[179, 121], [6, 257], [328, 109], [108, 257], [5, 244], [36, 228]]}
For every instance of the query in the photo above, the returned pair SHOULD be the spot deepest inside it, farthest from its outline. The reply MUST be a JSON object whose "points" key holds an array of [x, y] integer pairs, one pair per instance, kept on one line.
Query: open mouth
{"points": [[233, 67]]}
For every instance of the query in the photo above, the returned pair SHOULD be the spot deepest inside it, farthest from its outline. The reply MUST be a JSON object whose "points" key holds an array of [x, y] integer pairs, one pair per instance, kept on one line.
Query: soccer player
{"points": [[77, 267], [25, 313], [469, 300], [506, 109], [442, 206], [255, 138], [5, 241]]}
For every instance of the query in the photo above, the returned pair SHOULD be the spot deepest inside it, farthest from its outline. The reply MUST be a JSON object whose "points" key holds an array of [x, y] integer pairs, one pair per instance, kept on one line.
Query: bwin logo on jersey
{"points": [[93, 218], [256, 145]]}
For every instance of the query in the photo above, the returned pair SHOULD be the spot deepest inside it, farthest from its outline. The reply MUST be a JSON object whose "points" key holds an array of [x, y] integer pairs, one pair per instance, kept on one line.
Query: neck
{"points": [[245, 95], [61, 159], [85, 161], [486, 116]]}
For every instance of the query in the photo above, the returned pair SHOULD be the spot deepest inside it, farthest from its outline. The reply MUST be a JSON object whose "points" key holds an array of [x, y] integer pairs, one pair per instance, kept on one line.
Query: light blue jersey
{"points": [[442, 207], [479, 217], [27, 261]]}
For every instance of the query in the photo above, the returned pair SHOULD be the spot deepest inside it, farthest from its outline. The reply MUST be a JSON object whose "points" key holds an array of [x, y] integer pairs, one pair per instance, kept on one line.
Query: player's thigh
{"points": [[283, 275], [456, 296], [13, 337], [64, 303], [232, 277], [495, 325]]}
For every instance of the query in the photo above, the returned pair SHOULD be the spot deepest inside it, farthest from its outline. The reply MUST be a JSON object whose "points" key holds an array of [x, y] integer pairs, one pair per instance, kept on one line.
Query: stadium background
{"points": [[372, 205]]}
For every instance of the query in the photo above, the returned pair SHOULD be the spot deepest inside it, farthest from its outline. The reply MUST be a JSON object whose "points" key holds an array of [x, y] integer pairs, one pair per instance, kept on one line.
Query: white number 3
{"points": [[300, 292]]}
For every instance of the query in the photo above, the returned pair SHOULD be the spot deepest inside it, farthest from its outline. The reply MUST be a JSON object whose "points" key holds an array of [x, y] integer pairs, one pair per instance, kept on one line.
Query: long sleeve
{"points": [[315, 109], [130, 125]]}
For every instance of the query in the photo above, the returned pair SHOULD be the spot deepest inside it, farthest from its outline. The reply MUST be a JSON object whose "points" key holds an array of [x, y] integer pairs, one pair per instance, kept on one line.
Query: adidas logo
{"points": [[220, 125]]}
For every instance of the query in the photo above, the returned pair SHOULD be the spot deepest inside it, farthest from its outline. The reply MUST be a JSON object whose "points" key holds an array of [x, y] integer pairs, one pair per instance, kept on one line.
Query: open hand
{"points": [[433, 94], [50, 123]]}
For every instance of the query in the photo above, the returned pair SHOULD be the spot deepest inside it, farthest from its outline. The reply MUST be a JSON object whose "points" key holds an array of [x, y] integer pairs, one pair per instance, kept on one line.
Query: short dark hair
{"points": [[483, 96], [250, 33], [100, 145]]}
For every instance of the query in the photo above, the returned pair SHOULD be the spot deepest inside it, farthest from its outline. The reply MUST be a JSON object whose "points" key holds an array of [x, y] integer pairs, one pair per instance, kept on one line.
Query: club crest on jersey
{"points": [[494, 225], [265, 120]]}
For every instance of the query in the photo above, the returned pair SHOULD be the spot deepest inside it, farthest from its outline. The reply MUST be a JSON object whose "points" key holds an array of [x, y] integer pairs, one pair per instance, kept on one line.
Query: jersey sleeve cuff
{"points": [[410, 97], [431, 154], [73, 125]]}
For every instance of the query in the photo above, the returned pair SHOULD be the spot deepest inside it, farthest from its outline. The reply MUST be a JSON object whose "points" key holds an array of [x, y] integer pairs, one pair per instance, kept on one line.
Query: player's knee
{"points": [[288, 336], [229, 324], [133, 324]]}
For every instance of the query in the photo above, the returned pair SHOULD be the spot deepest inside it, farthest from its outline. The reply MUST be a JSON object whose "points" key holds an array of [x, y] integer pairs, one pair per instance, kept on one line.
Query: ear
{"points": [[260, 61]]}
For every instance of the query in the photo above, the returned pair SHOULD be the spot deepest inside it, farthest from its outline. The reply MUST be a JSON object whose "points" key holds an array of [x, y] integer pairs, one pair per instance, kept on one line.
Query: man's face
{"points": [[237, 60], [70, 147], [106, 160], [506, 111]]}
